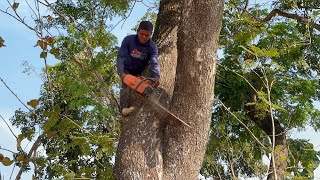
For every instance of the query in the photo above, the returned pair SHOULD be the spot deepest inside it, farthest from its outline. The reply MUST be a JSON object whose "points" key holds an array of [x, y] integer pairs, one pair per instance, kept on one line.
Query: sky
{"points": [[20, 43]]}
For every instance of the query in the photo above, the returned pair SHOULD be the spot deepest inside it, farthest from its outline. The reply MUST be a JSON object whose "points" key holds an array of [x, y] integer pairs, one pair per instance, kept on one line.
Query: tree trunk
{"points": [[151, 145], [165, 35], [281, 147], [198, 34], [142, 129]]}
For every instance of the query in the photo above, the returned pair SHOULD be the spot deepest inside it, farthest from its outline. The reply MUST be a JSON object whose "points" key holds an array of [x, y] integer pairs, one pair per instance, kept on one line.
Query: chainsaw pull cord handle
{"points": [[135, 89]]}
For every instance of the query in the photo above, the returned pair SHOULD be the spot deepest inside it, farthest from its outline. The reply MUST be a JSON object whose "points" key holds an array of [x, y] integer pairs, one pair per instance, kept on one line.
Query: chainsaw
{"points": [[144, 86]]}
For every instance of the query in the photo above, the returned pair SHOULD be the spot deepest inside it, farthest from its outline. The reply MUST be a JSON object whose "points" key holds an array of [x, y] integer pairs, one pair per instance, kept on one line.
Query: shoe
{"points": [[127, 111]]}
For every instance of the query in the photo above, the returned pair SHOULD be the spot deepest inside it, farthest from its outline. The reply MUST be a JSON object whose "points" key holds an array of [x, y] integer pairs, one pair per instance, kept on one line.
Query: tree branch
{"points": [[8, 126], [15, 95], [291, 16], [26, 160]]}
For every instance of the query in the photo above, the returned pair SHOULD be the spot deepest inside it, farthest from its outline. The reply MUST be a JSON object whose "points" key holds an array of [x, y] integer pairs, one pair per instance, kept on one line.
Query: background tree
{"points": [[267, 81]]}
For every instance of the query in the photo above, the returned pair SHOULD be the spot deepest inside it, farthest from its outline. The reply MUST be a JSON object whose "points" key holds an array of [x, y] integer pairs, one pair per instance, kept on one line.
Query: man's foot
{"points": [[127, 111]]}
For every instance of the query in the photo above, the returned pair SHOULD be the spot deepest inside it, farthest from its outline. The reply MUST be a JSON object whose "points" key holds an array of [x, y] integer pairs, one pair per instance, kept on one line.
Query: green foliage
{"points": [[77, 111], [279, 56], [303, 159]]}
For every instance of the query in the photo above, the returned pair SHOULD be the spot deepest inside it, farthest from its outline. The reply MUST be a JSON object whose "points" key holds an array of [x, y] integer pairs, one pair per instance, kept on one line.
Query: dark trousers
{"points": [[125, 96]]}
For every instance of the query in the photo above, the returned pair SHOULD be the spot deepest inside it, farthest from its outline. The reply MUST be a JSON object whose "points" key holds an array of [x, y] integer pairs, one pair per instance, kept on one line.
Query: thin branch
{"points": [[129, 13], [31, 8], [12, 171], [291, 16], [245, 126], [15, 95], [8, 126], [77, 125], [25, 63], [60, 15], [7, 150], [18, 18]]}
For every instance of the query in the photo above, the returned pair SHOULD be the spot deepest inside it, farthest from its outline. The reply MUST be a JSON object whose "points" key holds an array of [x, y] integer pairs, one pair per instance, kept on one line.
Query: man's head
{"points": [[144, 31]]}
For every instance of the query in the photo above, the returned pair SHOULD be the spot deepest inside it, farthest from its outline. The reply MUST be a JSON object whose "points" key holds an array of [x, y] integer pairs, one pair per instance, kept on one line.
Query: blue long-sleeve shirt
{"points": [[133, 57]]}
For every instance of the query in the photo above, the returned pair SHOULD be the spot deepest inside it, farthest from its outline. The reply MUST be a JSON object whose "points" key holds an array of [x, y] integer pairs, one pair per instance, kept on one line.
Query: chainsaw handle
{"points": [[144, 79]]}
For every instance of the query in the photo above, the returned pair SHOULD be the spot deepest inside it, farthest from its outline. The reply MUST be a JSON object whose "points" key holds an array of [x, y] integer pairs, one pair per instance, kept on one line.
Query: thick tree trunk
{"points": [[165, 35], [280, 158], [149, 146], [281, 147], [198, 34], [139, 154]]}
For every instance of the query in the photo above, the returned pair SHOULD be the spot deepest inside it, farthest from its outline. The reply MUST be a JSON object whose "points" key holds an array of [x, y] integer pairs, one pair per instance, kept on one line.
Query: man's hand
{"points": [[156, 82], [122, 76]]}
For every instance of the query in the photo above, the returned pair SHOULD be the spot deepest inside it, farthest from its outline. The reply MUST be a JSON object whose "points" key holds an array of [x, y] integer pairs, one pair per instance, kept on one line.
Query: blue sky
{"points": [[20, 43]]}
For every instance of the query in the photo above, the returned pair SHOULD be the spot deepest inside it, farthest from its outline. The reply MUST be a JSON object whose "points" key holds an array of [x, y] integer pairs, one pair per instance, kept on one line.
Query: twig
{"points": [[7, 150], [15, 95], [18, 18], [129, 13], [12, 171], [8, 126], [77, 125], [251, 133]]}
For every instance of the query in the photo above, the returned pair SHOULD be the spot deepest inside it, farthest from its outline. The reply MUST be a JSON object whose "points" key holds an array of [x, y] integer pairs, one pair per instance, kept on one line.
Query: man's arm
{"points": [[122, 55], [154, 62]]}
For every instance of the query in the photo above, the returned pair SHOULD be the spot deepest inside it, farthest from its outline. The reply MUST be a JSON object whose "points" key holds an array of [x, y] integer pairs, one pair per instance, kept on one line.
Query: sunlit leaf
{"points": [[7, 161], [54, 52], [33, 103], [51, 122], [42, 44]]}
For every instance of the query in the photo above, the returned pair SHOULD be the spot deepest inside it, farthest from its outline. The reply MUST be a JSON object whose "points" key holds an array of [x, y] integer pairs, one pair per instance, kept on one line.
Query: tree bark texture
{"points": [[165, 35], [197, 43], [153, 145]]}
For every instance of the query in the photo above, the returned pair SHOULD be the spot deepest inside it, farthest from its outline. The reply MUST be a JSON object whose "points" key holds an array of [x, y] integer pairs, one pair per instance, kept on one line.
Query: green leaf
{"points": [[42, 44], [7, 161], [51, 122], [69, 176], [20, 158], [1, 42], [270, 53], [246, 49], [54, 52], [33, 103], [43, 54], [15, 6]]}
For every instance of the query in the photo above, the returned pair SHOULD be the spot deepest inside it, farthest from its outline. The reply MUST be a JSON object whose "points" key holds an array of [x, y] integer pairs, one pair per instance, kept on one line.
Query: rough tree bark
{"points": [[152, 146], [165, 35], [198, 34]]}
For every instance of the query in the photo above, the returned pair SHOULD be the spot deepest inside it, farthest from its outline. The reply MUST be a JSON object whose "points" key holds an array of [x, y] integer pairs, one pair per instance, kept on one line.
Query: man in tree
{"points": [[137, 54]]}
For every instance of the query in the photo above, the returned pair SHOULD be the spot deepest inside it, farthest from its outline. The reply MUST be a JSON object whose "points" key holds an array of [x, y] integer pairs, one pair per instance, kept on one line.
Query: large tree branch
{"points": [[291, 16]]}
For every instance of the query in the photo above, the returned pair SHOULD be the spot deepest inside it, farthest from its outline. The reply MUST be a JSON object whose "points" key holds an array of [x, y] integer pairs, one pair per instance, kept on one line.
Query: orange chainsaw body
{"points": [[139, 84]]}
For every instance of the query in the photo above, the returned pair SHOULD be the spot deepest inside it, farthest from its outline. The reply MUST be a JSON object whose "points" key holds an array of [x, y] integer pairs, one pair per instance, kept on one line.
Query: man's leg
{"points": [[126, 99]]}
